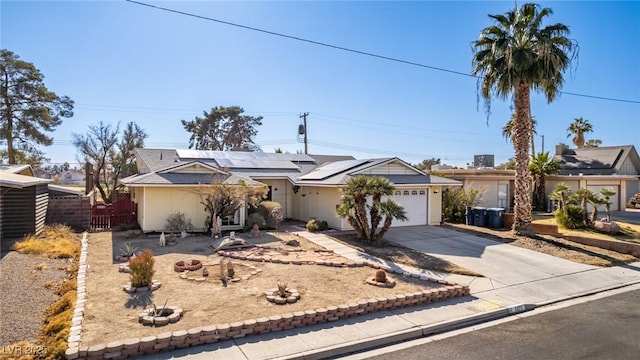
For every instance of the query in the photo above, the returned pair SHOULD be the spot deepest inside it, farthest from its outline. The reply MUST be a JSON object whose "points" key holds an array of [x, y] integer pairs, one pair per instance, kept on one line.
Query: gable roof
{"points": [[10, 176], [606, 160]]}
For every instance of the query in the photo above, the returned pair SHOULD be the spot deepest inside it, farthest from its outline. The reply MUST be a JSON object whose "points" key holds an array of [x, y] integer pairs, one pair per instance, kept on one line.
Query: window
{"points": [[406, 192], [232, 219], [414, 192], [398, 192], [422, 192], [502, 195]]}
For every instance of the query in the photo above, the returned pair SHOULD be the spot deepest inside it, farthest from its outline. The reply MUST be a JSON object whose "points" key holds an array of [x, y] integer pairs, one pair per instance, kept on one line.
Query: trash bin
{"points": [[495, 218], [480, 216], [469, 216]]}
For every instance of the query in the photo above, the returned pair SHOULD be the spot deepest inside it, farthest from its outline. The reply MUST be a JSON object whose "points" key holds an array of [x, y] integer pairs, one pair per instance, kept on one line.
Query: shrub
{"points": [[314, 225], [381, 276], [255, 218], [570, 218], [455, 202], [266, 209], [177, 222], [142, 269]]}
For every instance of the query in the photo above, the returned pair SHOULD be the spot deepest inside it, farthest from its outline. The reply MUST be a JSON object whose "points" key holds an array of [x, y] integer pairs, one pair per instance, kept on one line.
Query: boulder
{"points": [[606, 227]]}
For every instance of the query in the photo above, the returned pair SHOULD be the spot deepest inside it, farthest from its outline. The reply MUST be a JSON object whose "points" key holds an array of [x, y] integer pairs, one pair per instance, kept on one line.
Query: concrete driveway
{"points": [[630, 215], [504, 265]]}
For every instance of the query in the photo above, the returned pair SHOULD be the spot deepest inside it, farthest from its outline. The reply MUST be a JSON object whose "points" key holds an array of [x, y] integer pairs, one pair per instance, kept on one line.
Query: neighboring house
{"points": [[72, 177], [616, 167], [307, 186], [23, 202]]}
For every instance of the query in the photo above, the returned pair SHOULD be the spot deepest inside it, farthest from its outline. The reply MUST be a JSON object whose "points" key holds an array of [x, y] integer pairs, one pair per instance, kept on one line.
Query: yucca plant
{"points": [[282, 289]]}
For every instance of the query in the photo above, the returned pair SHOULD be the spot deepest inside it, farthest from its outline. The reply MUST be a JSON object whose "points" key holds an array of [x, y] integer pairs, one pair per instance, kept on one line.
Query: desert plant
{"points": [[253, 219], [606, 194], [381, 276], [230, 271], [142, 269], [456, 201], [571, 217], [582, 197], [313, 225], [282, 289], [159, 312], [128, 250], [277, 216], [266, 209], [177, 222]]}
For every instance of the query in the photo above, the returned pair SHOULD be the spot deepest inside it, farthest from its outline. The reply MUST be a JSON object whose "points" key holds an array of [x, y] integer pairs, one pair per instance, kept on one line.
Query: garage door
{"points": [[615, 203], [415, 205]]}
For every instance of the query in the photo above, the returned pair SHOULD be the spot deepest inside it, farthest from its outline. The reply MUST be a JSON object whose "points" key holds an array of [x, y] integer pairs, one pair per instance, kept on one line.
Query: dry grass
{"points": [[56, 242], [628, 232]]}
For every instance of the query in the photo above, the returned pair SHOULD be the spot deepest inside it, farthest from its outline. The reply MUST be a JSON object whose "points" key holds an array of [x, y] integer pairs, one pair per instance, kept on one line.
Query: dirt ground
{"points": [[112, 314]]}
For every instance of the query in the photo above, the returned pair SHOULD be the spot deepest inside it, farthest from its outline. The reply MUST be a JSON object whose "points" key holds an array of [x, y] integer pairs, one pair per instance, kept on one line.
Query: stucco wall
{"points": [[319, 203], [488, 191], [161, 202], [281, 192], [434, 205]]}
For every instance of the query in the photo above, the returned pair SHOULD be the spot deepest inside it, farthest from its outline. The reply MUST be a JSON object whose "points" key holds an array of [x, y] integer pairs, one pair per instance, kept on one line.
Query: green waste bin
{"points": [[495, 218], [480, 216]]}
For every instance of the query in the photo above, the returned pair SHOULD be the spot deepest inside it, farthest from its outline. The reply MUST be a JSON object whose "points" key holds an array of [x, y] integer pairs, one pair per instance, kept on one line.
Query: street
{"points": [[607, 328]]}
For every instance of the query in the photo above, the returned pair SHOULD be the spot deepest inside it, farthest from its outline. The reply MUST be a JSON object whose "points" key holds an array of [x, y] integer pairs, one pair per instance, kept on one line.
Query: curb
{"points": [[408, 334]]}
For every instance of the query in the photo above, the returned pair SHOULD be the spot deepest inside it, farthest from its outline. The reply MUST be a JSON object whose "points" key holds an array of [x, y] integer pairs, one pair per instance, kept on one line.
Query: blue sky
{"points": [[123, 62]]}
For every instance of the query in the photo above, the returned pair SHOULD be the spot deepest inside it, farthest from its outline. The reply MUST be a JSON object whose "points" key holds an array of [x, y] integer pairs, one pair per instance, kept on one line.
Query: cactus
{"points": [[230, 270], [381, 276]]}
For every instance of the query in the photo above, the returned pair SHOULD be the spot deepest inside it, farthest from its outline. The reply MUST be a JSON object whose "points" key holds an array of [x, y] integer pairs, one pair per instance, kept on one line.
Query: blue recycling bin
{"points": [[468, 216], [480, 217], [495, 218]]}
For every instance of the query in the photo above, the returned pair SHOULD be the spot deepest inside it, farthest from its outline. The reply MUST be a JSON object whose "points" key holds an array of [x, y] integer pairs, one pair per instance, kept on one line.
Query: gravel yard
{"points": [[28, 284]]}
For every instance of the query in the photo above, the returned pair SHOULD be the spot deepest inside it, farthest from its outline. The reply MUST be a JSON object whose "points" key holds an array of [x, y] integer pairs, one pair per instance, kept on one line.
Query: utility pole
{"points": [[304, 117], [542, 143]]}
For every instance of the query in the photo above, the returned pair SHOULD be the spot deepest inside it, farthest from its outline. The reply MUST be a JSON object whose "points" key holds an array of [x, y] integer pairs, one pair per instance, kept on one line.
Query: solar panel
{"points": [[331, 169], [247, 160]]}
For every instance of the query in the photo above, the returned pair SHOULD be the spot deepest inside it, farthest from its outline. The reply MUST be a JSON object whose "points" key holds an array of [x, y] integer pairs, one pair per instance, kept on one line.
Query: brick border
{"points": [[168, 341], [73, 341]]}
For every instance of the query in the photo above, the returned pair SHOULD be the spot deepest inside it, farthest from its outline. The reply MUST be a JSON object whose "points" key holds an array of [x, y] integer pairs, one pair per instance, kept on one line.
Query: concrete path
{"points": [[516, 280]]}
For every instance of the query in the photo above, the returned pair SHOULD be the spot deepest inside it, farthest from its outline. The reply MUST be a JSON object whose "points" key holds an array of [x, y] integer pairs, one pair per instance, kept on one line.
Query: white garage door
{"points": [[615, 203], [415, 204]]}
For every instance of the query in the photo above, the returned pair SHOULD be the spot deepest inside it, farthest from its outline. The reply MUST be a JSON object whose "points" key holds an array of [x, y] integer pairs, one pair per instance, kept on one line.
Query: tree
{"points": [[222, 198], [606, 194], [577, 129], [426, 164], [560, 194], [507, 131], [223, 128], [509, 165], [361, 193], [112, 158], [593, 143], [541, 166], [28, 110], [513, 56], [583, 196]]}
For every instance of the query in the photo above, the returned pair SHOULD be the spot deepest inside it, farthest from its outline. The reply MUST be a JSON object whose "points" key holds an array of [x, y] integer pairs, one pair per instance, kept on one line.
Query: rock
{"points": [[606, 227], [292, 242]]}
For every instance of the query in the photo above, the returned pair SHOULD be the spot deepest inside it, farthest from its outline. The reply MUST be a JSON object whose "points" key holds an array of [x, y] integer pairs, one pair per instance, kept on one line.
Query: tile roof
{"points": [[595, 161]]}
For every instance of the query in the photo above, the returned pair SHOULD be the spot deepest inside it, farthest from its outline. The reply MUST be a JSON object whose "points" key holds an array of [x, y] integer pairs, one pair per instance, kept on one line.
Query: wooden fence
{"points": [[106, 216]]}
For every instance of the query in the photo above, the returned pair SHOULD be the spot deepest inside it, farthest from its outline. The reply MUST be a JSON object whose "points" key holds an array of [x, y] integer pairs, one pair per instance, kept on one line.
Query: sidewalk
{"points": [[516, 280]]}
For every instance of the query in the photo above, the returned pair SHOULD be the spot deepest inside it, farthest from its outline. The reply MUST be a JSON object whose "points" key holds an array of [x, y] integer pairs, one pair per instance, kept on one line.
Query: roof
{"points": [[163, 167], [12, 180], [20, 169], [65, 189], [597, 161]]}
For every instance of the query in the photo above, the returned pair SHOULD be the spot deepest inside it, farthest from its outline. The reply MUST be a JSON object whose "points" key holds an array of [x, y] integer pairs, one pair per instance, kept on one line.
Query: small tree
{"points": [[560, 194], [541, 166], [606, 194], [356, 194], [222, 198], [582, 197], [142, 269], [456, 201], [277, 216]]}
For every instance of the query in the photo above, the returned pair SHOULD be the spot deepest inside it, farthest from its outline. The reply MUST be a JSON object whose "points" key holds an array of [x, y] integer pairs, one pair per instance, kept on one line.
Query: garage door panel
{"points": [[415, 207]]}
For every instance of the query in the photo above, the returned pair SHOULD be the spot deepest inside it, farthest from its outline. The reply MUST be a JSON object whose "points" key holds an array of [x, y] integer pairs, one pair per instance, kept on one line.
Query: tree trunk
{"points": [[522, 134], [11, 154], [542, 196]]}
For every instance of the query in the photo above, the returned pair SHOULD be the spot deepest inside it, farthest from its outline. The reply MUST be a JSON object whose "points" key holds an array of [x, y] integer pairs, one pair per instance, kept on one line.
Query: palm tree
{"points": [[578, 128], [513, 56], [354, 206], [596, 201], [541, 166], [593, 143], [507, 131], [583, 196], [560, 193], [606, 194]]}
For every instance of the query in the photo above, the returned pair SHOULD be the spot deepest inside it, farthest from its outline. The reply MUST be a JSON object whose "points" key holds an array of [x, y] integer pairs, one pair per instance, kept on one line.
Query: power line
{"points": [[360, 52]]}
